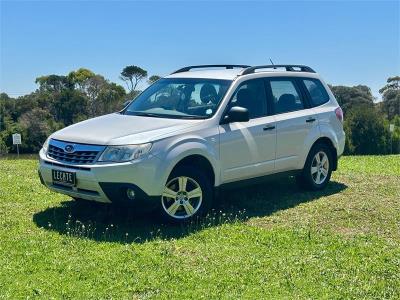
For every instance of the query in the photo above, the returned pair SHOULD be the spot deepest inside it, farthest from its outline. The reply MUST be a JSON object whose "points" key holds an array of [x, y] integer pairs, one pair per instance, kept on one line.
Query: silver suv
{"points": [[197, 131]]}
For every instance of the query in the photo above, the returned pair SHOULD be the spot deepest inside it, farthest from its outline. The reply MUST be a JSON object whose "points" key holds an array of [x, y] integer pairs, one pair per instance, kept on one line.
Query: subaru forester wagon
{"points": [[197, 131]]}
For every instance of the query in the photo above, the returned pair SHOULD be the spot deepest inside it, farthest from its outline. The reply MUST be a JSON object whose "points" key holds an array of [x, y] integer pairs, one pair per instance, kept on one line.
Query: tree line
{"points": [[366, 123], [61, 100]]}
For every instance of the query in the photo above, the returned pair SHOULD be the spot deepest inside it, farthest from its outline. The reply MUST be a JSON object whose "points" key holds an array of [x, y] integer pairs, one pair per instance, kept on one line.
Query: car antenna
{"points": [[272, 63]]}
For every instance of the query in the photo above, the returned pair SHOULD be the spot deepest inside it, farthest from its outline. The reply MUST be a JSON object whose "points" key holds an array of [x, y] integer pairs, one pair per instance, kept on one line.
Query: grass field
{"points": [[270, 241]]}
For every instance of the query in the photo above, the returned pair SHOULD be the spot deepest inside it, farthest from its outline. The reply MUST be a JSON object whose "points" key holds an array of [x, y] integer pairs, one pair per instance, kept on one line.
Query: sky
{"points": [[347, 42]]}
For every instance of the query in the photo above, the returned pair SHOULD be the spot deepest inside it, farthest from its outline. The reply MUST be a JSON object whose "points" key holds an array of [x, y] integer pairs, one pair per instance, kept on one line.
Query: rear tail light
{"points": [[339, 114]]}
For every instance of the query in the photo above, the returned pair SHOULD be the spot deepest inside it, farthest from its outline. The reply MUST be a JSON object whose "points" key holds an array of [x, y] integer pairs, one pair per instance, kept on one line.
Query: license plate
{"points": [[63, 177]]}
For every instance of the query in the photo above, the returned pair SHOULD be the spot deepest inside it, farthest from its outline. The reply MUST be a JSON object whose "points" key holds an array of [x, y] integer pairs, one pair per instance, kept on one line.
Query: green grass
{"points": [[270, 241]]}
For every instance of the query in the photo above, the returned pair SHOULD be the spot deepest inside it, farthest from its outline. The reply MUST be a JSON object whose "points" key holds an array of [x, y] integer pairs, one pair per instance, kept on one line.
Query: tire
{"points": [[317, 170], [188, 194]]}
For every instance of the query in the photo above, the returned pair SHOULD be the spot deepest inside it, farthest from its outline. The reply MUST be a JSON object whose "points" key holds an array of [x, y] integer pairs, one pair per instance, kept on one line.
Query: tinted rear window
{"points": [[317, 91], [285, 95]]}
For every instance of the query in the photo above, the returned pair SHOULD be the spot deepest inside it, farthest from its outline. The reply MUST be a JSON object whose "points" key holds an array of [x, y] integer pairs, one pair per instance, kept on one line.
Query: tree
{"points": [[94, 87], [5, 108], [4, 96], [132, 75], [8, 128], [36, 126], [80, 78], [153, 79], [5, 119], [366, 132], [391, 97], [393, 83], [111, 98], [53, 83], [395, 138], [58, 102], [102, 96], [348, 97], [69, 106], [24, 104]]}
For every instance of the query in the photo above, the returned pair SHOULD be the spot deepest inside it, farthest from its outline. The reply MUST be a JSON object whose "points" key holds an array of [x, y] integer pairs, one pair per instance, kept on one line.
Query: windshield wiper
{"points": [[191, 117], [146, 114]]}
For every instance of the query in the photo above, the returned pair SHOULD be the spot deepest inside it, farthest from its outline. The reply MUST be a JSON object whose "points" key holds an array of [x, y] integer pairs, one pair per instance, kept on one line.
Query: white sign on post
{"points": [[17, 141], [391, 127]]}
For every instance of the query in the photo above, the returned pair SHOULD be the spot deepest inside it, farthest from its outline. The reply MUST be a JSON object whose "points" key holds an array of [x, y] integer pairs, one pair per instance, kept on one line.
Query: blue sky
{"points": [[350, 43]]}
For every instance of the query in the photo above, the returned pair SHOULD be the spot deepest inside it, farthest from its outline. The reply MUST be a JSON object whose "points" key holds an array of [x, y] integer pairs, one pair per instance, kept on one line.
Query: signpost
{"points": [[17, 141]]}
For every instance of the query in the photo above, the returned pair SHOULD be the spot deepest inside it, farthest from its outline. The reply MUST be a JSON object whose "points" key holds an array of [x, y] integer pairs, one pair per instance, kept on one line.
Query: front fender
{"points": [[176, 150]]}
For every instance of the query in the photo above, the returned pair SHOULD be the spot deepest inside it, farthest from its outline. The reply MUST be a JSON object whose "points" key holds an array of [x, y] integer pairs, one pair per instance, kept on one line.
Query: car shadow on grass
{"points": [[110, 223]]}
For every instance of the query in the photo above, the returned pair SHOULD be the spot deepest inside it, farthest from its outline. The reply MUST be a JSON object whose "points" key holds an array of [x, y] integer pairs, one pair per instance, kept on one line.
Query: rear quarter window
{"points": [[317, 92]]}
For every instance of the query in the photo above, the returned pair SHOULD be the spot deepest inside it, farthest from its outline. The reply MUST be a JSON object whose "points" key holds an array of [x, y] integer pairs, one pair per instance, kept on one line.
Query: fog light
{"points": [[130, 193]]}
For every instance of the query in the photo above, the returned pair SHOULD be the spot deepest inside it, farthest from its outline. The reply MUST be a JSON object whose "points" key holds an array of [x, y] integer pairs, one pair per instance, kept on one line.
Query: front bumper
{"points": [[106, 182]]}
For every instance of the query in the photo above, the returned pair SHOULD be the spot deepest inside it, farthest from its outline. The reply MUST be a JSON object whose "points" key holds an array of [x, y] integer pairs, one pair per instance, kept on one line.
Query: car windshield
{"points": [[184, 98]]}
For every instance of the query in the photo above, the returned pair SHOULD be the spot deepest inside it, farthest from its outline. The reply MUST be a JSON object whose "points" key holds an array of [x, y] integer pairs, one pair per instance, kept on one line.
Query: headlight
{"points": [[124, 153], [46, 145]]}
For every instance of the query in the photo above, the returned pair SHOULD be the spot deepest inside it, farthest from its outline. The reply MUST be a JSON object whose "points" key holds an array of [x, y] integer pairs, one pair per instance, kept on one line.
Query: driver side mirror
{"points": [[236, 114]]}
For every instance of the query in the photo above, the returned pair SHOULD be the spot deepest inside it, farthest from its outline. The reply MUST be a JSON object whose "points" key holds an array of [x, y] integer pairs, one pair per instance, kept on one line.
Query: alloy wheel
{"points": [[320, 167], [182, 197]]}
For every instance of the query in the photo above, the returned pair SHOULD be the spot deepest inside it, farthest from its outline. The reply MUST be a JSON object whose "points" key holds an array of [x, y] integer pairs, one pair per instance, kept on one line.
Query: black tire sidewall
{"points": [[206, 188], [306, 177]]}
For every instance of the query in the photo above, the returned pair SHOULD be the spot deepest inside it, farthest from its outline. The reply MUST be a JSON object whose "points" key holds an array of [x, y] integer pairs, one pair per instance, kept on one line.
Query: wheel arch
{"points": [[189, 150], [199, 161]]}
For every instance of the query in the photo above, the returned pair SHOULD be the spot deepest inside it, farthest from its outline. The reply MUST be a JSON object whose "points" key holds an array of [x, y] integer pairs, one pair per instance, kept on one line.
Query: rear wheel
{"points": [[187, 194], [317, 169]]}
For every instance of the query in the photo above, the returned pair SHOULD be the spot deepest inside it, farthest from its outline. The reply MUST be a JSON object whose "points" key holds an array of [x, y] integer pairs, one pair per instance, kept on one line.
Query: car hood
{"points": [[117, 129]]}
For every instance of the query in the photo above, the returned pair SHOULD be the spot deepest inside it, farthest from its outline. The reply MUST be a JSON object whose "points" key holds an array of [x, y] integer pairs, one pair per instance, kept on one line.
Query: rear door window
{"points": [[318, 94], [285, 96]]}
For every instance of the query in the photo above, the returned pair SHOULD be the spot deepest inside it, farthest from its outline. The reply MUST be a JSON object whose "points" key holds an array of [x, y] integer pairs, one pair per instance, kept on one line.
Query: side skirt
{"points": [[254, 181]]}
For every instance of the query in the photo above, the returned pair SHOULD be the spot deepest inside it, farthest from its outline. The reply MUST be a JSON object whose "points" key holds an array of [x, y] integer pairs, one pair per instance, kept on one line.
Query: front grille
{"points": [[78, 157], [82, 154]]}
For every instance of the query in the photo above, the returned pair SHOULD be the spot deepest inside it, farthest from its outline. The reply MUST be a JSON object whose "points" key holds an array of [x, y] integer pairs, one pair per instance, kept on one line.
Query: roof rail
{"points": [[290, 68], [185, 69]]}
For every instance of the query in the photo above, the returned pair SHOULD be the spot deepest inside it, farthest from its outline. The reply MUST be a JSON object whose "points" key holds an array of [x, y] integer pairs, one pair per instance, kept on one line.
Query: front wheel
{"points": [[187, 194], [317, 169]]}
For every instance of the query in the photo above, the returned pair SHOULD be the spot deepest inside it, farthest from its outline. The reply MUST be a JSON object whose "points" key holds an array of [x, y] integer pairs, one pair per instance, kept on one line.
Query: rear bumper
{"points": [[106, 182]]}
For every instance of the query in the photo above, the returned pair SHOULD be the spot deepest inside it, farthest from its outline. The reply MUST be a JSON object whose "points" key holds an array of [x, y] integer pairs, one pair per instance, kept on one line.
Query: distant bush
{"points": [[366, 132]]}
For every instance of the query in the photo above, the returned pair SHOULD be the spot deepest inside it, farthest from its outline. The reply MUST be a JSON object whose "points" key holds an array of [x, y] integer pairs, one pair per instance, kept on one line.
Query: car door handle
{"points": [[310, 120], [268, 127]]}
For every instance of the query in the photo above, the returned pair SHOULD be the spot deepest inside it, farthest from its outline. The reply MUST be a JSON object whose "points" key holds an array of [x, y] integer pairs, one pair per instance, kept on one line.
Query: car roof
{"points": [[231, 74], [227, 74]]}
